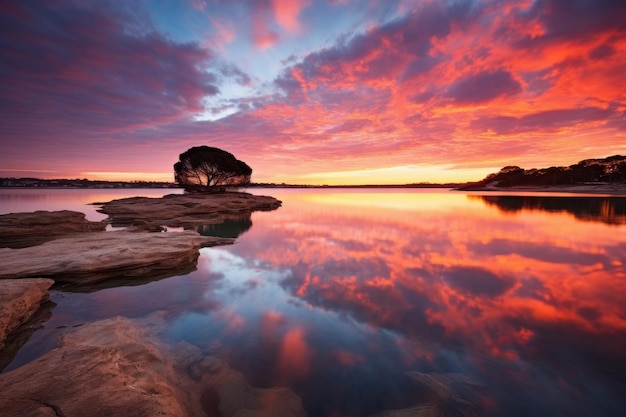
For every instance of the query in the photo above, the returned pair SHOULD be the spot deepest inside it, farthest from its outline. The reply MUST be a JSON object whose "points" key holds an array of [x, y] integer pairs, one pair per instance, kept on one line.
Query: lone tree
{"points": [[203, 168]]}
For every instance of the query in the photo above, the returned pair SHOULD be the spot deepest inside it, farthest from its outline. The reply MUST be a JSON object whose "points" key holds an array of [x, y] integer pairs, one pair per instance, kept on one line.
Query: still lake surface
{"points": [[341, 294]]}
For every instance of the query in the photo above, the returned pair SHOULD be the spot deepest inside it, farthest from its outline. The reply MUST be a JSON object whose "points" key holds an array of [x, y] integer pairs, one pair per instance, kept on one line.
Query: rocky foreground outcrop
{"points": [[60, 245], [19, 300], [92, 257], [186, 210], [117, 367], [20, 230]]}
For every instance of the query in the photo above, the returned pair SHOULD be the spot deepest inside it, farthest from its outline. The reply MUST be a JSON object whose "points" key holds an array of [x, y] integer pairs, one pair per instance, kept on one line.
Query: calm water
{"points": [[340, 293]]}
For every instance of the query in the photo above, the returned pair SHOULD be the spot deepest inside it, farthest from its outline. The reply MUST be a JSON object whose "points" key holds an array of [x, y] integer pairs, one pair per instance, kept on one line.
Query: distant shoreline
{"points": [[175, 187], [613, 189], [609, 189]]}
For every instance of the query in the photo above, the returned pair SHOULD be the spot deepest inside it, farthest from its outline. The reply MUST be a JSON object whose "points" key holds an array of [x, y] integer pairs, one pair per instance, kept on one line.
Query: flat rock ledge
{"points": [[117, 367], [20, 230], [93, 257], [19, 300], [186, 210]]}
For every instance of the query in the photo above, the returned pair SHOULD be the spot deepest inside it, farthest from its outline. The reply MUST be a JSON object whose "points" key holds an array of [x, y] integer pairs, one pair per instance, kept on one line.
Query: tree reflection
{"points": [[609, 210], [230, 228]]}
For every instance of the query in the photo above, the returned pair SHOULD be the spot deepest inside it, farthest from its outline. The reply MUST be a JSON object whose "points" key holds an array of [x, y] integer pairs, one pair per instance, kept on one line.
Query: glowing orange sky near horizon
{"points": [[312, 92]]}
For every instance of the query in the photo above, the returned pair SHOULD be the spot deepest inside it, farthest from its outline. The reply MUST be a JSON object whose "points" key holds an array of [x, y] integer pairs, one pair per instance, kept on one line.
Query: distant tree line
{"points": [[608, 170], [79, 183]]}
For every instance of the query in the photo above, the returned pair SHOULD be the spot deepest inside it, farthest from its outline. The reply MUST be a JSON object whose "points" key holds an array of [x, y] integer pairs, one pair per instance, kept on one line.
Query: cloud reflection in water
{"points": [[339, 294]]}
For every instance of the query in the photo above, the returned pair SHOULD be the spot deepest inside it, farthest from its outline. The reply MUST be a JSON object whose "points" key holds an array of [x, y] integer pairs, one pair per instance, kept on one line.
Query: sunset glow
{"points": [[310, 92]]}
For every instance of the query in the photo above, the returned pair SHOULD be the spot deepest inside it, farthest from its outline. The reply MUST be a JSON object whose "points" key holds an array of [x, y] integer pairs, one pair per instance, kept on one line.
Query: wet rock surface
{"points": [[93, 257], [20, 230], [118, 367], [19, 300], [186, 210]]}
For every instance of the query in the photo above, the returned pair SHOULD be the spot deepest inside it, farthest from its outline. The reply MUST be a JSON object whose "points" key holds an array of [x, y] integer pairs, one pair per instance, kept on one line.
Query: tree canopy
{"points": [[608, 170], [204, 168]]}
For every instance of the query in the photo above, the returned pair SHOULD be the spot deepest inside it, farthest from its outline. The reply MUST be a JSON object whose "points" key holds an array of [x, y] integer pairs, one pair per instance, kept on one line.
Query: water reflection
{"points": [[230, 227], [528, 305], [610, 210], [369, 301], [15, 200]]}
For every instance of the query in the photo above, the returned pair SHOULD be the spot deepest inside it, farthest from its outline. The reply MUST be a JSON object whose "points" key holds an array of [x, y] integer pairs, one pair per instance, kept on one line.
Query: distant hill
{"points": [[611, 170]]}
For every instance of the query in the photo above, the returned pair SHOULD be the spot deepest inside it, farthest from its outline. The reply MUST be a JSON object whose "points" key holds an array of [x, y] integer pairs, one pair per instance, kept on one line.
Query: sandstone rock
{"points": [[20, 230], [19, 300], [116, 367], [186, 210], [92, 257]]}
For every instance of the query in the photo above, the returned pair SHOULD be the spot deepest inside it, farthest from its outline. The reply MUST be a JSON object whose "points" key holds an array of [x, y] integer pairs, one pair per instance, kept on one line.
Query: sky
{"points": [[310, 91]]}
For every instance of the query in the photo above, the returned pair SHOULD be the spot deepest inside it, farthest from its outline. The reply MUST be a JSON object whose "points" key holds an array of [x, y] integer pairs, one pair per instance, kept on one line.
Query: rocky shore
{"points": [[116, 366]]}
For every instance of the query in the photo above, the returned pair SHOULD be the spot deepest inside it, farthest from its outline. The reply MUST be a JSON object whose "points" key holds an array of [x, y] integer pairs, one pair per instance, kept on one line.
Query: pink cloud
{"points": [[286, 13], [263, 36], [265, 39]]}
